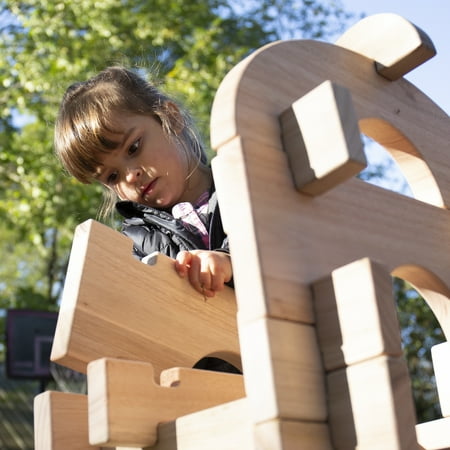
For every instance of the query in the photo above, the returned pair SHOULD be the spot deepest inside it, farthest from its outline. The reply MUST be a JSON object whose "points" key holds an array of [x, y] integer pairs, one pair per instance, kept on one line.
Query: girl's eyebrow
{"points": [[127, 135]]}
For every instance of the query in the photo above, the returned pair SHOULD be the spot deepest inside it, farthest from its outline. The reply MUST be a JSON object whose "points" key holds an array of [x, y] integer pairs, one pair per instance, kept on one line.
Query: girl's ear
{"points": [[175, 119]]}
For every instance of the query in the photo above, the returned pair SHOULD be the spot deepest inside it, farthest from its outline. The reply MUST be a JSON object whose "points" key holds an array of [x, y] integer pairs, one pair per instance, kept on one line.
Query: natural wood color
{"points": [[356, 315], [283, 241], [434, 435], [223, 427], [116, 306], [292, 435], [441, 363], [126, 405], [61, 422], [285, 246], [321, 157], [396, 45], [371, 406], [274, 364]]}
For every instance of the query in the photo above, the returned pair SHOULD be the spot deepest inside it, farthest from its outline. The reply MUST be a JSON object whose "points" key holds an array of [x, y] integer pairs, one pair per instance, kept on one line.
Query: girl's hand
{"points": [[207, 270]]}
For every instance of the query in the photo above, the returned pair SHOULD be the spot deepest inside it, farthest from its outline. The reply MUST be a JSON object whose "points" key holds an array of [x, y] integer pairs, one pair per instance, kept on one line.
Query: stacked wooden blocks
{"points": [[313, 249]]}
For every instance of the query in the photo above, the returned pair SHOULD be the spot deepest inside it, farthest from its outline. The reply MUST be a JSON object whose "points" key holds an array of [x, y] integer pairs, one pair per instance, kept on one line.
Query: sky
{"points": [[433, 17]]}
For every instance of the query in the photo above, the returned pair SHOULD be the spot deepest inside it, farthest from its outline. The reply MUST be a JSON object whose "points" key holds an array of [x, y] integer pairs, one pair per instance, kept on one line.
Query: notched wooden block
{"points": [[115, 306], [322, 139], [126, 405]]}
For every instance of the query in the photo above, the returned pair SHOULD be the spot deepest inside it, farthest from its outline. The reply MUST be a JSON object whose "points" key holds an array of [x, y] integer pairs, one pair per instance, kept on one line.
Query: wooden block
{"points": [[434, 435], [396, 45], [126, 405], [441, 363], [356, 314], [292, 435], [272, 294], [61, 421], [284, 377], [370, 406], [322, 139], [222, 427], [160, 319]]}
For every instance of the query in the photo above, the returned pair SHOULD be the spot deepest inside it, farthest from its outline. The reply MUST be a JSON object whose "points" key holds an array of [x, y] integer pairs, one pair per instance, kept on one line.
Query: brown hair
{"points": [[86, 116]]}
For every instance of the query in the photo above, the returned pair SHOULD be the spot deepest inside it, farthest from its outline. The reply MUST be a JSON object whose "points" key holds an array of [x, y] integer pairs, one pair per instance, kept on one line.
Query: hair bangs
{"points": [[86, 132]]}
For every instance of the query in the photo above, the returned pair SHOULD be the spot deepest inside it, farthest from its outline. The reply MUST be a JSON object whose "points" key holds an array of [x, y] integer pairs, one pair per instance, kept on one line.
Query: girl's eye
{"points": [[112, 178], [134, 147]]}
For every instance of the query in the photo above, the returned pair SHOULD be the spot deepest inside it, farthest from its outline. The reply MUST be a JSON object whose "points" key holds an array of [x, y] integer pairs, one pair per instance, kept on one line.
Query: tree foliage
{"points": [[46, 45]]}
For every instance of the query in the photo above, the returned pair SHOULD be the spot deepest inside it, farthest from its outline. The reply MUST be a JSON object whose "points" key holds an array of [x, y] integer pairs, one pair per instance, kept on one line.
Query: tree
{"points": [[46, 45]]}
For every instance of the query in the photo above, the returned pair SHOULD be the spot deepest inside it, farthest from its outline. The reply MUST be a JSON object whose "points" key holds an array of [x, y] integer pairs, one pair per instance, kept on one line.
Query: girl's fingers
{"points": [[182, 263], [207, 271]]}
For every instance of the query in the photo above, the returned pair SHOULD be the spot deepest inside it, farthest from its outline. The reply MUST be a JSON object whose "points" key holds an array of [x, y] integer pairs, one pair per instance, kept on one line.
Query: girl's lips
{"points": [[147, 189]]}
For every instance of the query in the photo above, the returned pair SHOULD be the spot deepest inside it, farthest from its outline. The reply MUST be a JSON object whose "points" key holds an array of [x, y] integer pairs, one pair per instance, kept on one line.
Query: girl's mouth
{"points": [[149, 187]]}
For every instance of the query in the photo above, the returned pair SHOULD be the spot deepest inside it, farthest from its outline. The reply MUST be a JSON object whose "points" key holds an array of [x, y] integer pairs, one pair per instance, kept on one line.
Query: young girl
{"points": [[119, 130]]}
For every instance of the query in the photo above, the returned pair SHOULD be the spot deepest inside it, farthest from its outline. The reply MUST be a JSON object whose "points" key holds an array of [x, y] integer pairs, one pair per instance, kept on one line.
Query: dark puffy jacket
{"points": [[155, 230]]}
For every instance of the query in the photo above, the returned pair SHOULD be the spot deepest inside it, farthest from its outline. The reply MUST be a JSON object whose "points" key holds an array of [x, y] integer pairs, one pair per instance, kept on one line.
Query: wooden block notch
{"points": [[159, 319], [321, 137], [126, 405]]}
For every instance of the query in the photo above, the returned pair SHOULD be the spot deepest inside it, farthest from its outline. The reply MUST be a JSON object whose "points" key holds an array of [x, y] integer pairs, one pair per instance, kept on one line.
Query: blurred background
{"points": [[187, 47]]}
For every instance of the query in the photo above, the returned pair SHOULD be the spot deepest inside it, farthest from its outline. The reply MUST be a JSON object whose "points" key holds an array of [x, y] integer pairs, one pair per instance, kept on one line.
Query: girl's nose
{"points": [[133, 174]]}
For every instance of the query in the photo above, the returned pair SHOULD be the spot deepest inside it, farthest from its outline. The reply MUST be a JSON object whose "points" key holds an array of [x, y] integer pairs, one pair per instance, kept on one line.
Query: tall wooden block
{"points": [[106, 312], [371, 406], [441, 363], [283, 372], [356, 314], [126, 405]]}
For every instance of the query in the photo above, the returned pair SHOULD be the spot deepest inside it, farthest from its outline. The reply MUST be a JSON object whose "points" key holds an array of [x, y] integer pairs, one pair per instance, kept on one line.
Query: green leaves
{"points": [[46, 45]]}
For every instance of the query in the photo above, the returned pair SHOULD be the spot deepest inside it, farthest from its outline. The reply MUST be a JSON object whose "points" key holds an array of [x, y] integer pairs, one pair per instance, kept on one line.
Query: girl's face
{"points": [[147, 167]]}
